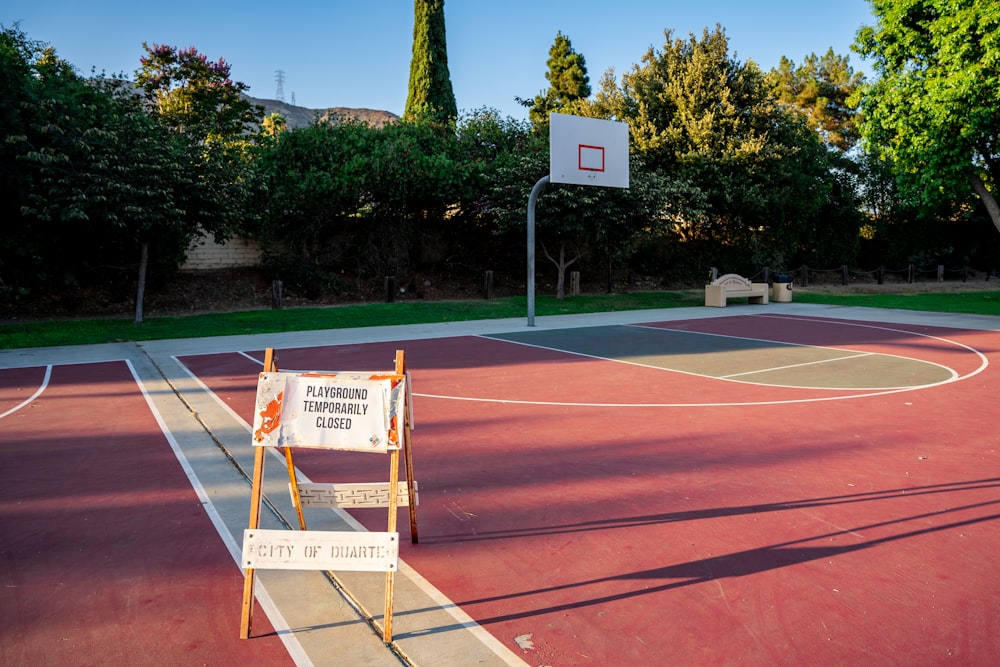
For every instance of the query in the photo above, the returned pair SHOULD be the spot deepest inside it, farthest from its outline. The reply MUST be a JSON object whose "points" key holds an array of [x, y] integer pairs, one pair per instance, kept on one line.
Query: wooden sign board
{"points": [[354, 411], [320, 550], [343, 411]]}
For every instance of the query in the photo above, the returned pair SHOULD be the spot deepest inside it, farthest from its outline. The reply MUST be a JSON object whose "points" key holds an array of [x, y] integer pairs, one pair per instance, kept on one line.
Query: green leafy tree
{"points": [[193, 95], [19, 258], [820, 89], [933, 108], [95, 173], [204, 108], [692, 98], [430, 94], [313, 196], [568, 80], [351, 197], [697, 113]]}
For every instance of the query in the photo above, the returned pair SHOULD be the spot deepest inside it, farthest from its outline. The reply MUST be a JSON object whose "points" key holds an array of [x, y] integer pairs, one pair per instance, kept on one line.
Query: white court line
{"points": [[951, 371], [864, 392], [38, 392], [281, 627], [259, 362], [807, 363]]}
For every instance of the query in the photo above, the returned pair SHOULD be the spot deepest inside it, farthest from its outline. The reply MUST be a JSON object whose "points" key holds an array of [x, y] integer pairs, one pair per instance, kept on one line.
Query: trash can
{"points": [[781, 288]]}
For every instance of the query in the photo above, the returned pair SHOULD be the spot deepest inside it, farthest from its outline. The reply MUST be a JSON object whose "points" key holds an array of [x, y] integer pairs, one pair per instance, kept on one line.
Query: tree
{"points": [[94, 171], [697, 113], [430, 95], [18, 263], [205, 110], [933, 108], [820, 89], [348, 196], [568, 82], [193, 95]]}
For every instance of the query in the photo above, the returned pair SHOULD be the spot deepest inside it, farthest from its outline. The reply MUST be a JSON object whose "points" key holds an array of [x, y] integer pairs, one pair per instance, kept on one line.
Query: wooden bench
{"points": [[733, 286]]}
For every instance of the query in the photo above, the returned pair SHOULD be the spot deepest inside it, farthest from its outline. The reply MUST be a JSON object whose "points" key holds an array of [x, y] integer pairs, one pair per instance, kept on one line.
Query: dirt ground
{"points": [[249, 289]]}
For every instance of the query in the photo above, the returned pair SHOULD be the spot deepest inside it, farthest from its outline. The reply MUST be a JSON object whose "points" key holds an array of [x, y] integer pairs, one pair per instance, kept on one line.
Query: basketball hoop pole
{"points": [[532, 198]]}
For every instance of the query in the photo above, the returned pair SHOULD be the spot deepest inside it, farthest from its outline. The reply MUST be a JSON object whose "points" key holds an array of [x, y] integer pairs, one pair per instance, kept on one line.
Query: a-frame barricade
{"points": [[348, 411]]}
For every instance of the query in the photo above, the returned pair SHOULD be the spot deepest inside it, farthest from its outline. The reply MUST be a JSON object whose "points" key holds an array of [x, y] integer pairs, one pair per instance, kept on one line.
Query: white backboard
{"points": [[588, 151]]}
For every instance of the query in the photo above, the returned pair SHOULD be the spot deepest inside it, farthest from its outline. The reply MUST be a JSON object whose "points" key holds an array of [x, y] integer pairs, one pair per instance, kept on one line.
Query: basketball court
{"points": [[779, 484]]}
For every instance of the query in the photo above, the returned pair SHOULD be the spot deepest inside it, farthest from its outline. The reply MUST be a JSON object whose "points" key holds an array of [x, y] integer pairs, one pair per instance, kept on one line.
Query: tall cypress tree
{"points": [[430, 95]]}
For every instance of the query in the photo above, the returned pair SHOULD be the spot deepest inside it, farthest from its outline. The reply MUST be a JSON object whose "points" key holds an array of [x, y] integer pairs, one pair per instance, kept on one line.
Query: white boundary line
{"points": [[951, 371], [38, 392], [864, 392], [281, 627], [808, 363]]}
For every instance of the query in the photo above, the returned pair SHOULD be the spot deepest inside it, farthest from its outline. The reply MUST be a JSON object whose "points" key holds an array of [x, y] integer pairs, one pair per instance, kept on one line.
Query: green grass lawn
{"points": [[15, 334]]}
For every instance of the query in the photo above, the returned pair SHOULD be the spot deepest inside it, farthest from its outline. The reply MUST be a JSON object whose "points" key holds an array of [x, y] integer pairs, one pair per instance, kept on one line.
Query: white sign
{"points": [[329, 411], [320, 550], [588, 151]]}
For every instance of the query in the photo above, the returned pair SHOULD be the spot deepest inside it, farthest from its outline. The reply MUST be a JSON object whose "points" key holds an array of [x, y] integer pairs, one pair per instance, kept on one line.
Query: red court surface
{"points": [[753, 490], [610, 503], [107, 556]]}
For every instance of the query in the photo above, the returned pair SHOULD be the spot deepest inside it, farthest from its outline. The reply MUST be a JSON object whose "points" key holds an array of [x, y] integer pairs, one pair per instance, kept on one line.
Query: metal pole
{"points": [[535, 191]]}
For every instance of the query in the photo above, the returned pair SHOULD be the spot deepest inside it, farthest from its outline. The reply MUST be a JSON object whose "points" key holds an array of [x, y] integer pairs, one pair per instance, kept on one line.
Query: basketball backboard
{"points": [[588, 151]]}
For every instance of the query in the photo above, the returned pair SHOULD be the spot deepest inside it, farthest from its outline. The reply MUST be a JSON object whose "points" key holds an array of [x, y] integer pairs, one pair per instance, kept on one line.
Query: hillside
{"points": [[301, 116]]}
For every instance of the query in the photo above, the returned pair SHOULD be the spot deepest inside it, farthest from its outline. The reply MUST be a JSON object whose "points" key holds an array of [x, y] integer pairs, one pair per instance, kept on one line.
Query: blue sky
{"points": [[352, 53]]}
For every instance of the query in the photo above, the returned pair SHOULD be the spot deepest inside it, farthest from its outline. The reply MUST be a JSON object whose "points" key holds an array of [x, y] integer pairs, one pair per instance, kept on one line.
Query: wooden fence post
{"points": [[276, 294], [488, 285], [574, 283]]}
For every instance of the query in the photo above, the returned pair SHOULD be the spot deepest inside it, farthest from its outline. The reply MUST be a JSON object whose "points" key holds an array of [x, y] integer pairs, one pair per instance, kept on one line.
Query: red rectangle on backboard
{"points": [[590, 158]]}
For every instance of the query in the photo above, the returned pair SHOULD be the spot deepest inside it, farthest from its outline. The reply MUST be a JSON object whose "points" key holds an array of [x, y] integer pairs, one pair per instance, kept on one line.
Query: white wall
{"points": [[205, 253]]}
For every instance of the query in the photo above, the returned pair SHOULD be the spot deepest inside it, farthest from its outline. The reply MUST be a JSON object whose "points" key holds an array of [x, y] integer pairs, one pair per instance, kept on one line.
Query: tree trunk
{"points": [[561, 266], [988, 200], [140, 291], [611, 281], [561, 279]]}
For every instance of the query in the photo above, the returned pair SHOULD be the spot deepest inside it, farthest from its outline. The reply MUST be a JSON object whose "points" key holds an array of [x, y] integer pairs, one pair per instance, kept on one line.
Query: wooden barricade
{"points": [[348, 411]]}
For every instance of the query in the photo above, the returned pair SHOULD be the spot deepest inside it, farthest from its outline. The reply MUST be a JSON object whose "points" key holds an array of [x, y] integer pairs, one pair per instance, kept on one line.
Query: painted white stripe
{"points": [[38, 392], [281, 627], [807, 363], [826, 347]]}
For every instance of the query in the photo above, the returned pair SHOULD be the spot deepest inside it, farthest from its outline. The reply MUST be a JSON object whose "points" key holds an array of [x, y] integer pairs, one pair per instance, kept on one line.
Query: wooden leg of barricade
{"points": [[411, 486], [256, 493], [248, 580], [293, 483], [390, 575]]}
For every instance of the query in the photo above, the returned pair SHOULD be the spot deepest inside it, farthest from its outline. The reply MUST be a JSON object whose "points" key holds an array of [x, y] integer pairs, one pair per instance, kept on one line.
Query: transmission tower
{"points": [[293, 98], [279, 77]]}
